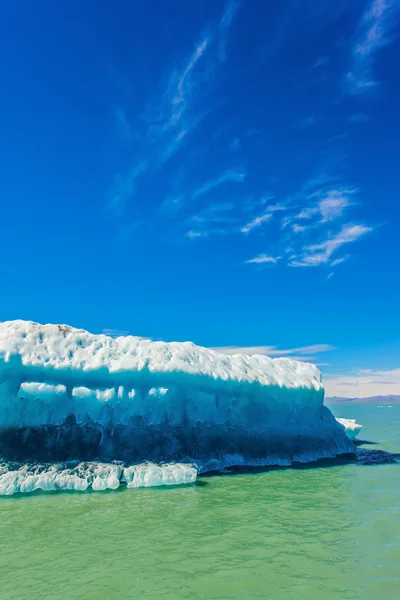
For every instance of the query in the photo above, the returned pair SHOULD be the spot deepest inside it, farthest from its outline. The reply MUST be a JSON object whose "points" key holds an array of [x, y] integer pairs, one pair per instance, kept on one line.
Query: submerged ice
{"points": [[66, 394]]}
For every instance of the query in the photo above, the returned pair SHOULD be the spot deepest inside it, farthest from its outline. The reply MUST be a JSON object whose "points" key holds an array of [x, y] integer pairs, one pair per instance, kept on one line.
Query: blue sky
{"points": [[224, 172]]}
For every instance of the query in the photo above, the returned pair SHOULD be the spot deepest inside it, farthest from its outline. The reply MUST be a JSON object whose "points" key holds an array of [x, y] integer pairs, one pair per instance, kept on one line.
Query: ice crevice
{"points": [[66, 394]]}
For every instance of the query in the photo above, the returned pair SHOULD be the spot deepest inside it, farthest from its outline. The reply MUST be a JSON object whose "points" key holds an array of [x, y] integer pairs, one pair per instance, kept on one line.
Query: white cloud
{"points": [[374, 32], [319, 254], [264, 258], [302, 353], [256, 222], [330, 205], [184, 85], [232, 175], [276, 207], [181, 109], [333, 204], [364, 383], [307, 213], [177, 113], [339, 261], [329, 276], [195, 234], [299, 228]]}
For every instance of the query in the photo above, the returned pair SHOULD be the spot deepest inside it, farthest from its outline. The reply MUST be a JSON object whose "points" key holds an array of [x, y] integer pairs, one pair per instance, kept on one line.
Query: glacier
{"points": [[66, 394]]}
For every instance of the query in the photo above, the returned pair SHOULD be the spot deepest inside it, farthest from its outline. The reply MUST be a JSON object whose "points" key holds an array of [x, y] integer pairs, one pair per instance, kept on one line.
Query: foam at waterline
{"points": [[80, 477]]}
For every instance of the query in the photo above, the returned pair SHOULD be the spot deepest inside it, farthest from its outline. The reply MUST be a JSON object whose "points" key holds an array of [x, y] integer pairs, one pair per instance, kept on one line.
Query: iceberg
{"points": [[351, 427], [66, 394]]}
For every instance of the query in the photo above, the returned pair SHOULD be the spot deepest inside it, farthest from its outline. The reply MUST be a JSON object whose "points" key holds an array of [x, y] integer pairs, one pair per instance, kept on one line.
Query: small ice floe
{"points": [[352, 428]]}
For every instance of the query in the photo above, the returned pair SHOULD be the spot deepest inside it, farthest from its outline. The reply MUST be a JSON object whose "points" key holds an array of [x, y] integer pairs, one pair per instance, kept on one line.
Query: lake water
{"points": [[325, 533]]}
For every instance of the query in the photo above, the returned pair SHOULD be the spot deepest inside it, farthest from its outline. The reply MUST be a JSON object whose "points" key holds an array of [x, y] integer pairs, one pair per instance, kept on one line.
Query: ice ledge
{"points": [[59, 354], [67, 394]]}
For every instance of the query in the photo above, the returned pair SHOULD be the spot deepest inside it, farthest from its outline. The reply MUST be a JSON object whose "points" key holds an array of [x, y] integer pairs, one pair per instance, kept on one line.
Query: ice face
{"points": [[67, 394], [351, 428]]}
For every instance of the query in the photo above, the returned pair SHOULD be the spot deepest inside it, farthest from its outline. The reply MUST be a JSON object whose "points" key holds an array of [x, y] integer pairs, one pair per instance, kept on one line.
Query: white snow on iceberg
{"points": [[66, 394]]}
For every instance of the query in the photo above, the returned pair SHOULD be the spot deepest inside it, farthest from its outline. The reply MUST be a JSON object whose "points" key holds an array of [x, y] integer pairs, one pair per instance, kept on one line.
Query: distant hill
{"points": [[370, 400]]}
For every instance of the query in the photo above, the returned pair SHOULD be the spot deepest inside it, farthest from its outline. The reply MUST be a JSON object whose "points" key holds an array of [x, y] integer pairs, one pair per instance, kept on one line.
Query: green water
{"points": [[321, 533]]}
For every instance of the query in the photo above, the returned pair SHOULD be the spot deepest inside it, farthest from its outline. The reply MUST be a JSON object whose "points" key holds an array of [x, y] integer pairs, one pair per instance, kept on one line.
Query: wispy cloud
{"points": [[229, 13], [256, 222], [328, 205], [235, 144], [170, 117], [363, 383], [184, 85], [320, 254], [215, 219], [332, 205], [264, 259], [338, 138], [192, 234], [232, 175], [299, 228], [172, 205], [359, 117], [181, 109], [205, 233], [323, 61], [374, 32], [123, 125], [178, 113], [217, 212], [115, 332], [123, 189], [317, 210], [339, 261], [329, 276], [272, 208], [302, 353], [308, 122]]}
